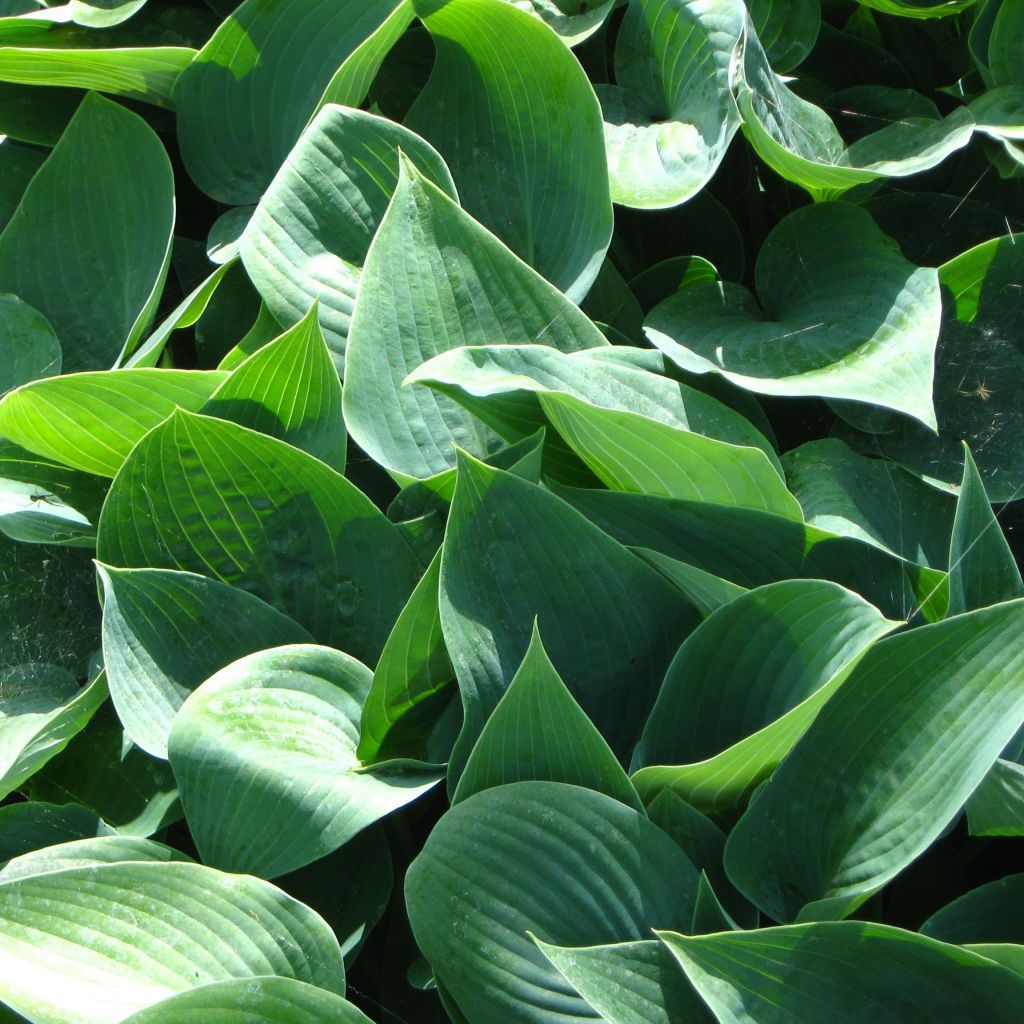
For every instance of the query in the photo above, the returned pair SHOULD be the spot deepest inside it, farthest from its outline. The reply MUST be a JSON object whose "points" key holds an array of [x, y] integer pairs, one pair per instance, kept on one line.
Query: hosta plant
{"points": [[508, 511]]}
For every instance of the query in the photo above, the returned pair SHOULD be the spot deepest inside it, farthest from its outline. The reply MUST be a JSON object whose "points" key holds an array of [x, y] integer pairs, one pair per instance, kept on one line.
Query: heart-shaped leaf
{"points": [[273, 736], [855, 321]]}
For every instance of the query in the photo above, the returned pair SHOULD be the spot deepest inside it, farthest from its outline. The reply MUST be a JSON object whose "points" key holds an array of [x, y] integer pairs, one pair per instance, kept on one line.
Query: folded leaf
{"points": [[570, 866], [573, 21], [273, 737], [507, 101], [108, 185], [310, 232], [671, 117], [884, 768]]}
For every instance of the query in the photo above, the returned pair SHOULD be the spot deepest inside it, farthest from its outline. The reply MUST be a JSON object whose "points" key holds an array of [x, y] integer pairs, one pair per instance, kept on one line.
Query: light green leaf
{"points": [[843, 315], [629, 982], [570, 866], [629, 452], [595, 375], [996, 807], [31, 348], [258, 1000], [290, 390], [145, 73], [979, 372], [669, 120], [871, 499], [310, 233], [990, 913], [252, 511], [849, 971], [537, 731], [101, 769], [107, 185], [41, 709], [273, 736], [787, 29], [799, 141], [885, 767], [610, 622], [507, 101], [165, 632], [729, 712], [91, 850], [247, 96], [34, 515], [91, 421], [919, 8], [414, 668], [68, 949], [434, 280], [750, 548], [982, 570]]}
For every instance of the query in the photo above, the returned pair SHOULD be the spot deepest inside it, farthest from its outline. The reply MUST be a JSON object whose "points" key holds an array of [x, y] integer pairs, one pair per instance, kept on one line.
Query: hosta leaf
{"points": [[91, 850], [849, 971], [871, 499], [538, 731], [104, 194], [103, 770], [573, 867], [91, 421], [273, 736], [982, 570], [247, 96], [33, 825], [610, 622], [311, 231], [30, 513], [18, 163], [164, 632], [435, 279], [258, 1000], [630, 982], [978, 374], [69, 949], [41, 708], [886, 765], [572, 20], [507, 101], [669, 120], [727, 713], [288, 389], [413, 668], [254, 512], [31, 348], [495, 373], [996, 807], [749, 548], [705, 590], [989, 913], [140, 73], [629, 452], [919, 8], [1003, 55], [800, 142], [856, 321], [787, 29]]}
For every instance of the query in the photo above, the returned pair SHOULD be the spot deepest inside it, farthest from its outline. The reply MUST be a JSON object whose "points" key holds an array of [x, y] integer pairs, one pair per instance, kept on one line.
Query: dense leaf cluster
{"points": [[502, 511]]}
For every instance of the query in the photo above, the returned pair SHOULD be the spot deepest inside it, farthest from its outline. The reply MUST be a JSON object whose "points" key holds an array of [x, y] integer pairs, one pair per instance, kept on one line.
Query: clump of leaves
{"points": [[506, 511]]}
